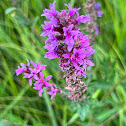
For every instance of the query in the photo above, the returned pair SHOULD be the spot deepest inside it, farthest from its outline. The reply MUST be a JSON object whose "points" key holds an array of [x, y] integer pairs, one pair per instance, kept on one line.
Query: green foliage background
{"points": [[20, 29]]}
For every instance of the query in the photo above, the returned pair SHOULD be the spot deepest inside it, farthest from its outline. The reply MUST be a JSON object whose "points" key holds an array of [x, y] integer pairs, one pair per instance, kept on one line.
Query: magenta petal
{"points": [[48, 78], [50, 93], [43, 67], [37, 64], [83, 74], [97, 30], [28, 63], [65, 31], [23, 65], [40, 86], [19, 71], [50, 55], [26, 75], [70, 27], [97, 5], [40, 92], [36, 88], [52, 96], [67, 79], [66, 55], [83, 19], [75, 64], [41, 75], [100, 13], [33, 63], [47, 84], [36, 77], [30, 82], [78, 73], [90, 63], [90, 52], [43, 34], [70, 47], [70, 44]]}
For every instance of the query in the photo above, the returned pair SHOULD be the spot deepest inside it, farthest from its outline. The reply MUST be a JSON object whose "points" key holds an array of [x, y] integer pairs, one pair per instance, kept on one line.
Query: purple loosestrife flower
{"points": [[23, 69], [52, 92], [33, 72], [51, 55], [71, 34], [81, 72], [42, 80], [97, 30], [97, 6], [72, 11], [41, 83], [34, 75], [49, 14], [100, 13], [19, 71], [76, 58]]}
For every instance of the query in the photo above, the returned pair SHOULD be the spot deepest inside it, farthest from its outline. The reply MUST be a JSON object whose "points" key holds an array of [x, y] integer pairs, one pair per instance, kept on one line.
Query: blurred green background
{"points": [[20, 29]]}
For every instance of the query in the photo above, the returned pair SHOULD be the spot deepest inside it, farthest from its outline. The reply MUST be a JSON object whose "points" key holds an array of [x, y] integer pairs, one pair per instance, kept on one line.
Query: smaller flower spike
{"points": [[33, 72], [93, 10]]}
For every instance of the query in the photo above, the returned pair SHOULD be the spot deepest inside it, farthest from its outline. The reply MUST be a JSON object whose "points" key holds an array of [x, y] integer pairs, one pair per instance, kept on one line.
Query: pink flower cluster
{"points": [[33, 72], [67, 42]]}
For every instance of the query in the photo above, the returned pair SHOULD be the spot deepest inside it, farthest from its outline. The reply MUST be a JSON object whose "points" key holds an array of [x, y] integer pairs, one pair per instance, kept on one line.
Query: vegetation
{"points": [[20, 105]]}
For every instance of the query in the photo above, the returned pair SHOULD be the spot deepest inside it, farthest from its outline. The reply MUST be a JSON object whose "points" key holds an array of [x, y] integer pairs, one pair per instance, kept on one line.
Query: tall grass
{"points": [[20, 29]]}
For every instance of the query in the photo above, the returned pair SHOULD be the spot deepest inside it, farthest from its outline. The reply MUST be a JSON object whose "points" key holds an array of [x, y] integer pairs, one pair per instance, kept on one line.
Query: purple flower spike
{"points": [[67, 42], [97, 6]]}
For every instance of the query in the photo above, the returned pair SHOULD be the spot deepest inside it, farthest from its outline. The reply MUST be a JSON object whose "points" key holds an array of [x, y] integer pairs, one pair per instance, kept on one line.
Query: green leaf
{"points": [[9, 10], [21, 19], [49, 107], [5, 123], [82, 110], [73, 118], [100, 84], [13, 103], [15, 119], [35, 21], [107, 114]]}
